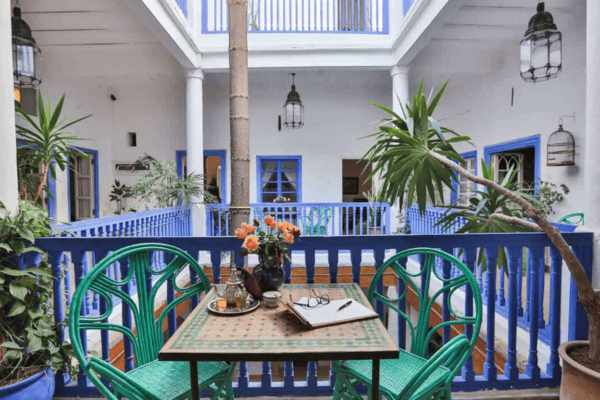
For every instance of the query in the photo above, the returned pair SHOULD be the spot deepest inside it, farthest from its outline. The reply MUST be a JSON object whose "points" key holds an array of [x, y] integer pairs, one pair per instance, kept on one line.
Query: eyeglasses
{"points": [[313, 301]]}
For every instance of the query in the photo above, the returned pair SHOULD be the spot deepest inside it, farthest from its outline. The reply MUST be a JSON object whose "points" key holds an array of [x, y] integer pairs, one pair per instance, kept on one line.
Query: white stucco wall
{"points": [[337, 114], [477, 101], [150, 100]]}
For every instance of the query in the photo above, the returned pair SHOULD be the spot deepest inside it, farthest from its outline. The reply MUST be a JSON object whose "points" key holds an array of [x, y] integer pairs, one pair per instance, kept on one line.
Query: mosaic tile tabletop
{"points": [[273, 334]]}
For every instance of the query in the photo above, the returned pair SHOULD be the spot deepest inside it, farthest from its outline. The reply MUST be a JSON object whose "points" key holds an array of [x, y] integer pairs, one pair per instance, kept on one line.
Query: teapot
{"points": [[235, 293]]}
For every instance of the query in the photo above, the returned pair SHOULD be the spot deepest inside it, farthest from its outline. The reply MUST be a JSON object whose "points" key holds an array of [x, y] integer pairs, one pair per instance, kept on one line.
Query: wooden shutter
{"points": [[84, 188]]}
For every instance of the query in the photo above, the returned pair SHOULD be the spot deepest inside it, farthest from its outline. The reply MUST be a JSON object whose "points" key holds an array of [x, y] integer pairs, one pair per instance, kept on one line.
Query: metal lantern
{"points": [[25, 54], [561, 147], [541, 49], [293, 110]]}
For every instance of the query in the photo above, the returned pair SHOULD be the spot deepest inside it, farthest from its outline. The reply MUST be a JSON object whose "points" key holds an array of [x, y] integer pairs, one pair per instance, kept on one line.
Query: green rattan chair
{"points": [[316, 221], [572, 219], [413, 375], [151, 378]]}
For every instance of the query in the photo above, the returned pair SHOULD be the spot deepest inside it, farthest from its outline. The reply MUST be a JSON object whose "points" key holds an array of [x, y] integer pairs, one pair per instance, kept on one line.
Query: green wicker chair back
{"points": [[414, 375], [316, 221], [146, 336], [572, 219]]}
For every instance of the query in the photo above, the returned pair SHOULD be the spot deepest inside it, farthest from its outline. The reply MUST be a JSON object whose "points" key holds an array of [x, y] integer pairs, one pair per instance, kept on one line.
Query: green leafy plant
{"points": [[411, 153], [119, 194], [42, 145], [549, 194], [28, 333], [159, 184]]}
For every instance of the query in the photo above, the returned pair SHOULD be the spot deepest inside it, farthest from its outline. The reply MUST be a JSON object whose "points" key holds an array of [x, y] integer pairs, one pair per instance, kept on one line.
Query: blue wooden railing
{"points": [[358, 252], [301, 16], [426, 225], [314, 219], [163, 222], [183, 6]]}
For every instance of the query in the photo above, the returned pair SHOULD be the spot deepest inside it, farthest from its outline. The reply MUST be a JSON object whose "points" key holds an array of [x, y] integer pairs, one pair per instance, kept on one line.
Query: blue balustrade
{"points": [[302, 16], [314, 219], [172, 221], [358, 252]]}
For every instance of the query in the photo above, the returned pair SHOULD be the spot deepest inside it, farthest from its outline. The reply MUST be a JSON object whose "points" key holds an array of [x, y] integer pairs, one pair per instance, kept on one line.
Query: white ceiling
{"points": [[83, 23]]}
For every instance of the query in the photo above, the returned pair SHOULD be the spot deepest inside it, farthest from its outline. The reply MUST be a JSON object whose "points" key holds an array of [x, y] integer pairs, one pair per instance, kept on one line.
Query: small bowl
{"points": [[271, 299]]}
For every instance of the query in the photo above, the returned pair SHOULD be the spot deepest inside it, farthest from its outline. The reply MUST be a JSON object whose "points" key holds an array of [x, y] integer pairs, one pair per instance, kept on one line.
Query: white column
{"points": [[9, 194], [195, 140], [591, 166], [400, 93]]}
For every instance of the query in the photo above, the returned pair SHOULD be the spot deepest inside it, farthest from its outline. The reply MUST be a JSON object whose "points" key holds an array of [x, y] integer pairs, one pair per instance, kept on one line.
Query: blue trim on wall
{"points": [[179, 154], [531, 141], [259, 160], [96, 182], [468, 154]]}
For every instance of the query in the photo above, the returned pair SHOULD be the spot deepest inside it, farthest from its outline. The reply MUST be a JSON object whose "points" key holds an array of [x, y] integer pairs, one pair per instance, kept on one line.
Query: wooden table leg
{"points": [[375, 380], [194, 380]]}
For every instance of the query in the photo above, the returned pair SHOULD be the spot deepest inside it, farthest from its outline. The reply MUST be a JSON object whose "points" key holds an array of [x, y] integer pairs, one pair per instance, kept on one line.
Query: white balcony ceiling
{"points": [[83, 23]]}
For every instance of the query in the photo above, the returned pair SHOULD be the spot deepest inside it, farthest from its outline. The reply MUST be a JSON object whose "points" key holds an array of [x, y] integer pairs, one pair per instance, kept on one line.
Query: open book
{"points": [[329, 314]]}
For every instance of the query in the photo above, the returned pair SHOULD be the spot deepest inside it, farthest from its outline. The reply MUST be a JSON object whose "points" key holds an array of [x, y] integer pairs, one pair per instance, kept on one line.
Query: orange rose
{"points": [[289, 238], [283, 226], [251, 243], [273, 225], [248, 228], [239, 232], [269, 220]]}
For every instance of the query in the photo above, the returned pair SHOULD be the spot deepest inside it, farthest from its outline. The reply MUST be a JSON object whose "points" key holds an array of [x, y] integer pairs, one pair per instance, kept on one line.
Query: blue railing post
{"points": [[553, 368], [489, 367], [534, 255], [511, 370]]}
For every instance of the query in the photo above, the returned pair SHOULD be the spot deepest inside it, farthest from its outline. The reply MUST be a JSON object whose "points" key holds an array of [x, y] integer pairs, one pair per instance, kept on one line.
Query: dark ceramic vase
{"points": [[269, 279]]}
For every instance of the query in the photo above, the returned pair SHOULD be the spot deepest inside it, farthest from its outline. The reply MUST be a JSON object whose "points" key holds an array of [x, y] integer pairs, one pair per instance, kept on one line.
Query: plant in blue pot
{"points": [[271, 244], [30, 348]]}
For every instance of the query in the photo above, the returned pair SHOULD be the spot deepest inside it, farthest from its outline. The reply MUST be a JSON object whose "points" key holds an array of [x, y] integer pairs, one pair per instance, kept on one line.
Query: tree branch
{"points": [[514, 220]]}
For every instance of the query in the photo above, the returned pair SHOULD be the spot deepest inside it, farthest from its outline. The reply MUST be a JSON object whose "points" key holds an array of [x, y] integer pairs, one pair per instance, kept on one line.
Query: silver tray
{"points": [[251, 305]]}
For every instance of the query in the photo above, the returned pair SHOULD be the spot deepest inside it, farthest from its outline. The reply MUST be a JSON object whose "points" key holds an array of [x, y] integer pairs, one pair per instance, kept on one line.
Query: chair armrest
{"points": [[451, 354]]}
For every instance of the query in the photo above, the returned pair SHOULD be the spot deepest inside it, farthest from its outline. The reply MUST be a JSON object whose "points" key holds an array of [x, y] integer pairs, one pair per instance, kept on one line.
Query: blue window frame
{"points": [[459, 186], [531, 141], [279, 176], [180, 156], [96, 188]]}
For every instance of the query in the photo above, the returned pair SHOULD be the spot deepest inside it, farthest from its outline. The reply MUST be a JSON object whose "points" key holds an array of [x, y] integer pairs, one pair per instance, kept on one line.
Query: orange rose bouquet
{"points": [[271, 244]]}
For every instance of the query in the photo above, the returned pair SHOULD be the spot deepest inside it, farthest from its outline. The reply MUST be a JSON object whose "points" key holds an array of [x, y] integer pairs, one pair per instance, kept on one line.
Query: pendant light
{"points": [[293, 110], [25, 55]]}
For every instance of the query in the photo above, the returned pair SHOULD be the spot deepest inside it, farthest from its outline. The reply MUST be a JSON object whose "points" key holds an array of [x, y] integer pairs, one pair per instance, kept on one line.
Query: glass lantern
{"points": [[25, 54], [293, 110], [541, 49], [561, 148]]}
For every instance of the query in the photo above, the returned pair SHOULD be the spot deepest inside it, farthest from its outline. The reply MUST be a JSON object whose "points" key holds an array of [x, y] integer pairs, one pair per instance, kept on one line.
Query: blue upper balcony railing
{"points": [[302, 16]]}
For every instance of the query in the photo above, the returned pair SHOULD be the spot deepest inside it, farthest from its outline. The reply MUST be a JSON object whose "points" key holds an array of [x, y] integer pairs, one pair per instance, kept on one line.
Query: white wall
{"points": [[480, 83], [150, 100], [337, 114]]}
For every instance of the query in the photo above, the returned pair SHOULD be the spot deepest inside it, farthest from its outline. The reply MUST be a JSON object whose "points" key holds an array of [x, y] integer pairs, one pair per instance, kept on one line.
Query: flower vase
{"points": [[269, 278]]}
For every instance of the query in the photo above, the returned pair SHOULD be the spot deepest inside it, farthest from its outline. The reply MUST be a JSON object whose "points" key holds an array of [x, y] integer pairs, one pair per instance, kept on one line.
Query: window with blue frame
{"points": [[279, 176]]}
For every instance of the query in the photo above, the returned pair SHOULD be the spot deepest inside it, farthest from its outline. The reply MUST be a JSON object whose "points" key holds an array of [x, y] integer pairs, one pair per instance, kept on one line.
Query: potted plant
{"points": [[413, 153], [271, 245], [29, 337]]}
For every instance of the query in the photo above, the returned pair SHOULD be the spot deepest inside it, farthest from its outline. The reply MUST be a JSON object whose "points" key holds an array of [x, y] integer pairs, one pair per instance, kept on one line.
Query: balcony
{"points": [[534, 323], [303, 16]]}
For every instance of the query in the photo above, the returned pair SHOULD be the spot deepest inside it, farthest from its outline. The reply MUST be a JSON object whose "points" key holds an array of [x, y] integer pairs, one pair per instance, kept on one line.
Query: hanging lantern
{"points": [[293, 110], [561, 147], [25, 54], [541, 49]]}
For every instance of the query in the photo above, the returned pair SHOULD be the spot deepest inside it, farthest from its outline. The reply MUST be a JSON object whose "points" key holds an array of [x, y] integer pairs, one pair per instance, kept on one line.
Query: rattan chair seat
{"points": [[170, 380]]}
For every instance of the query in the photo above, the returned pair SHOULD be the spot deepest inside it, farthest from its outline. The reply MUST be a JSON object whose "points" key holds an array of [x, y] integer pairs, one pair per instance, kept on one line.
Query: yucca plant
{"points": [[411, 153], [42, 145]]}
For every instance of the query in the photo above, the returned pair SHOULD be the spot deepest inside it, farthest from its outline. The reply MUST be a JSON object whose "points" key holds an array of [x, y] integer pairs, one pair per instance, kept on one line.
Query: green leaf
{"points": [[11, 345], [35, 344], [16, 309], [17, 291]]}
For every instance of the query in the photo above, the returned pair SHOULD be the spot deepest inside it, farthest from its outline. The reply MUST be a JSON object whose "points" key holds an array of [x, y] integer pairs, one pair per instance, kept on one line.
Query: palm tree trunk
{"points": [[590, 300], [239, 113], [43, 180]]}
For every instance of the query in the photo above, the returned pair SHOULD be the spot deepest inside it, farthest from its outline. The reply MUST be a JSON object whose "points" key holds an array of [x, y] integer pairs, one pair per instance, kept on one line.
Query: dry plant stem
{"points": [[514, 220], [590, 300], [239, 113], [43, 181]]}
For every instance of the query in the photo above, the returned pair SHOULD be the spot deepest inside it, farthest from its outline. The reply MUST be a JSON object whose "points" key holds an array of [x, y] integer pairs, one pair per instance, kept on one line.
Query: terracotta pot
{"points": [[578, 382]]}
